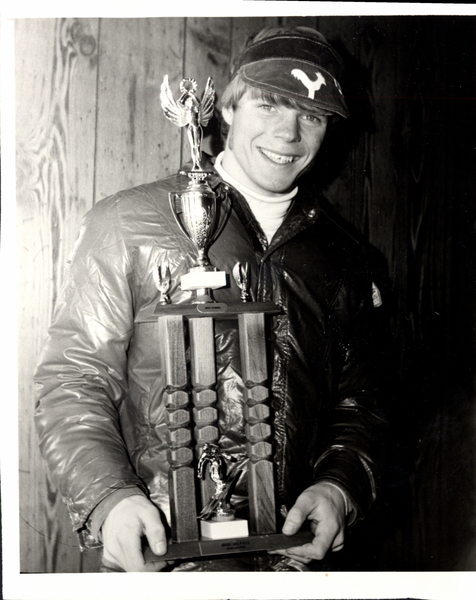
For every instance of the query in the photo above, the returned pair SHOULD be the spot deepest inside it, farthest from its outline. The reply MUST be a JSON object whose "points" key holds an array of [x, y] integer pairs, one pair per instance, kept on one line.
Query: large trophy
{"points": [[202, 475]]}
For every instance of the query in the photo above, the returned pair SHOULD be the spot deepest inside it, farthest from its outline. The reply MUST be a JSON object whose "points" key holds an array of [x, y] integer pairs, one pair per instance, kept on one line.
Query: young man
{"points": [[100, 415]]}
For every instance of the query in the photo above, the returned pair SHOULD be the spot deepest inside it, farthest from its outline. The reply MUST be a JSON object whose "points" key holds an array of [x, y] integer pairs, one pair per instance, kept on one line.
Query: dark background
{"points": [[400, 171]]}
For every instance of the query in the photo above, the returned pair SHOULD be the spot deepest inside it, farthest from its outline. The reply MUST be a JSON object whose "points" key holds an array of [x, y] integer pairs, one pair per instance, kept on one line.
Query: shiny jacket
{"points": [[100, 416]]}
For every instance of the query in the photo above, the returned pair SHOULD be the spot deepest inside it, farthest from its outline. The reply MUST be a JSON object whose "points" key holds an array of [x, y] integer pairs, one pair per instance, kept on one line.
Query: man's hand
{"points": [[324, 506], [131, 519]]}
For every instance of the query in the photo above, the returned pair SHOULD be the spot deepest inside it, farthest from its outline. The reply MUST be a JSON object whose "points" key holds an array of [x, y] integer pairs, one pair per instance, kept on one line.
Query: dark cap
{"points": [[296, 65]]}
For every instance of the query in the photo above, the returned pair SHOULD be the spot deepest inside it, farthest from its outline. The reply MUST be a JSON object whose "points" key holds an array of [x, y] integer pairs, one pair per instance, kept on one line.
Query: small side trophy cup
{"points": [[195, 209]]}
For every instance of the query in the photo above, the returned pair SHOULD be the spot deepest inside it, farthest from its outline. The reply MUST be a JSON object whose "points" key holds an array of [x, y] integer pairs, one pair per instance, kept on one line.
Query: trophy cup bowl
{"points": [[197, 218]]}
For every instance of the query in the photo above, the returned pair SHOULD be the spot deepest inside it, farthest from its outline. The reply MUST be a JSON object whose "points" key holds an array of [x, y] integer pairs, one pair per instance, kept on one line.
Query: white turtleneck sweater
{"points": [[269, 211]]}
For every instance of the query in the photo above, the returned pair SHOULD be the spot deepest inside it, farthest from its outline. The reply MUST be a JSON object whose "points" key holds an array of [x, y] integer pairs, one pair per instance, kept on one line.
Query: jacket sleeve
{"points": [[354, 448], [81, 378]]}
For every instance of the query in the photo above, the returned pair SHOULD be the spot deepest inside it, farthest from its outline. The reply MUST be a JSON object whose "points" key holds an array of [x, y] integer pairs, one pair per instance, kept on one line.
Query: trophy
{"points": [[218, 519], [195, 209], [202, 475]]}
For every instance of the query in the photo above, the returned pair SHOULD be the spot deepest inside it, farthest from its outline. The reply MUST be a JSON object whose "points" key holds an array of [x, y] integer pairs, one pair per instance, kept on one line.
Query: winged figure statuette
{"points": [[189, 111]]}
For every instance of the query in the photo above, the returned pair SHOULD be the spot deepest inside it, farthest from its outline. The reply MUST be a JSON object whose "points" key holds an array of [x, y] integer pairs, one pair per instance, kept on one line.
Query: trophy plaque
{"points": [[202, 475]]}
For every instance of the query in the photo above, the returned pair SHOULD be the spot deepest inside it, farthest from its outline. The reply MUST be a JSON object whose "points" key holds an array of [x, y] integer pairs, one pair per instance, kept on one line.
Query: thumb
{"points": [[294, 520], [155, 533]]}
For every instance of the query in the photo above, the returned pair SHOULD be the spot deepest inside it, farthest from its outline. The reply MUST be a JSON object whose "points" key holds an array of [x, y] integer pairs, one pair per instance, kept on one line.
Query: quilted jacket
{"points": [[100, 415]]}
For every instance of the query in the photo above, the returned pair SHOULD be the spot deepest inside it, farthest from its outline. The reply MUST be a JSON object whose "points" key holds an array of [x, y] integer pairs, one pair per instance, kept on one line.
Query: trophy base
{"points": [[253, 543], [219, 310], [224, 530]]}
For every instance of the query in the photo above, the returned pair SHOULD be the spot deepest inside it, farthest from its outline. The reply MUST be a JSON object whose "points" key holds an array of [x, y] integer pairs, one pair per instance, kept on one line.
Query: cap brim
{"points": [[298, 80]]}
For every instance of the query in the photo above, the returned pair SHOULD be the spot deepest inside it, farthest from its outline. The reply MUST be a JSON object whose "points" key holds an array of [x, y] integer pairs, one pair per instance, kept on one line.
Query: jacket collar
{"points": [[304, 212]]}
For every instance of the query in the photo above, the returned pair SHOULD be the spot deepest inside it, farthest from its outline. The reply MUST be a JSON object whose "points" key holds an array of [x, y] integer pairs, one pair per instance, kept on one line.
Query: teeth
{"points": [[277, 158]]}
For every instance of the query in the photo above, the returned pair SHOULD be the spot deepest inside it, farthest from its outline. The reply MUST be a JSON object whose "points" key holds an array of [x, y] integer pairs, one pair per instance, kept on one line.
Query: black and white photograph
{"points": [[241, 249]]}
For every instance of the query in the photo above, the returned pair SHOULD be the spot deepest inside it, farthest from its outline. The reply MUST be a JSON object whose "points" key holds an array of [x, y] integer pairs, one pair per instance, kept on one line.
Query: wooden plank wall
{"points": [[88, 123], [56, 81]]}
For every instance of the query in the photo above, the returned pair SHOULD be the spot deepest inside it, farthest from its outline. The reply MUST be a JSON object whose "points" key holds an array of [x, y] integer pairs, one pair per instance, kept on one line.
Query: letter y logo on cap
{"points": [[311, 86]]}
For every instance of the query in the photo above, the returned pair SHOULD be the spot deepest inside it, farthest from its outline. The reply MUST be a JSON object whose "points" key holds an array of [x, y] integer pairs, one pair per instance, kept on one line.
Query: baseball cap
{"points": [[297, 65]]}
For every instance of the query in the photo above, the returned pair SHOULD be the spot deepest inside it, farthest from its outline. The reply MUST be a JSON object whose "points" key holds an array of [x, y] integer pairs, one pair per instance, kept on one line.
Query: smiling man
{"points": [[100, 414], [269, 145]]}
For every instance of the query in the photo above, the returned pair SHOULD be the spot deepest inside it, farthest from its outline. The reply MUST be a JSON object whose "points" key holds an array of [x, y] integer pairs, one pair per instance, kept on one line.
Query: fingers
{"points": [[303, 509], [338, 542], [123, 548], [155, 533], [153, 567], [123, 530], [291, 555], [329, 535], [324, 507], [295, 519]]}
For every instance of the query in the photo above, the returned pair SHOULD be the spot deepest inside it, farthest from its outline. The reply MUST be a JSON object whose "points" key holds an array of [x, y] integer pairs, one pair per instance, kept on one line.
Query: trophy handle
{"points": [[223, 213], [172, 198]]}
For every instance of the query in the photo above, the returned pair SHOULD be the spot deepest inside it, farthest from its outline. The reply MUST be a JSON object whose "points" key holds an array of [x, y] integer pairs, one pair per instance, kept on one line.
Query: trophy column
{"points": [[258, 430], [180, 454], [203, 375]]}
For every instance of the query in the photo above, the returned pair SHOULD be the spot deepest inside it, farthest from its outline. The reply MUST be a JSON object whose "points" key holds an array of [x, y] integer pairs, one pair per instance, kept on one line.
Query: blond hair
{"points": [[237, 88]]}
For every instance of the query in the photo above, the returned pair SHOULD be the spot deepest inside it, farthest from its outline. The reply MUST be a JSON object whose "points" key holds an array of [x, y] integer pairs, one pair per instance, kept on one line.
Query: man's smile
{"points": [[280, 159]]}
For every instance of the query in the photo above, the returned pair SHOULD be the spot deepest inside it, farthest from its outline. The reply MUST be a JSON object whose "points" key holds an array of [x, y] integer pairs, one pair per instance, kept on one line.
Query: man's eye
{"points": [[267, 107], [317, 119]]}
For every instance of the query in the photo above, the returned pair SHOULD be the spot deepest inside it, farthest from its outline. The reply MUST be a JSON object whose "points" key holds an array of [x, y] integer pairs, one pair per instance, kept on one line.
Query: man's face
{"points": [[269, 146]]}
